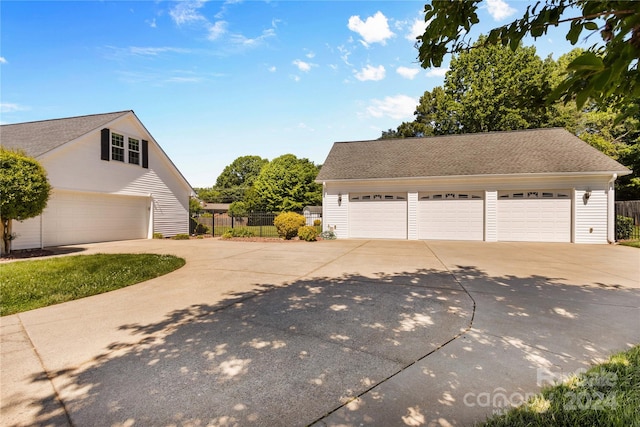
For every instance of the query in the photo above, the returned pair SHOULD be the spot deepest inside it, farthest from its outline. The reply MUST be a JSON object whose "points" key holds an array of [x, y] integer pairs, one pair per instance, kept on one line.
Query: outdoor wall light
{"points": [[587, 194], [339, 198]]}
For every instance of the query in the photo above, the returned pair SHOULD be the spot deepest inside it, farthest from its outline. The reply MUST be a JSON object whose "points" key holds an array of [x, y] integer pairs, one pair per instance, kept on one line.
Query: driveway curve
{"points": [[345, 332]]}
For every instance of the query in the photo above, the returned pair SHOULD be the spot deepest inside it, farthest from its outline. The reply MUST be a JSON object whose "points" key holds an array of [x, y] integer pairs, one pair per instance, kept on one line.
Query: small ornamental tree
{"points": [[24, 191]]}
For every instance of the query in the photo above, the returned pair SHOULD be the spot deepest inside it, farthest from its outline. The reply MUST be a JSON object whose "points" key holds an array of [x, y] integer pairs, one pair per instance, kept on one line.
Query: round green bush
{"points": [[288, 223], [624, 227], [308, 233]]}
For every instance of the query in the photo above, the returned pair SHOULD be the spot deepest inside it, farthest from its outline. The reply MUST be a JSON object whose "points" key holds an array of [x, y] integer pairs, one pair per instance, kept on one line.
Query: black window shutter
{"points": [[104, 144], [145, 154]]}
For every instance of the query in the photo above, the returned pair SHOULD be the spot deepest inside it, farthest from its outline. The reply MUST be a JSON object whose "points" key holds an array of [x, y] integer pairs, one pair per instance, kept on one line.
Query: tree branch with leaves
{"points": [[607, 72]]}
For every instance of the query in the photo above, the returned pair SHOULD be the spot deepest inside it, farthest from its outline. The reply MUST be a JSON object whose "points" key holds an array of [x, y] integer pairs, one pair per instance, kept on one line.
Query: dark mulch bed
{"points": [[37, 253]]}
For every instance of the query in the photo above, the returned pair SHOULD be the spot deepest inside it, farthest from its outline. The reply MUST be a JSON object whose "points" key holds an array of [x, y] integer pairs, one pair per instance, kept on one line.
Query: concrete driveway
{"points": [[346, 332]]}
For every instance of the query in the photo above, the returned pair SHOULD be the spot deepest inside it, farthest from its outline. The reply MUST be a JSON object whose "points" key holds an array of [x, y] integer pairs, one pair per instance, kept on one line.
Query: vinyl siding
{"points": [[412, 216], [78, 166], [27, 234], [591, 216], [335, 216], [491, 216]]}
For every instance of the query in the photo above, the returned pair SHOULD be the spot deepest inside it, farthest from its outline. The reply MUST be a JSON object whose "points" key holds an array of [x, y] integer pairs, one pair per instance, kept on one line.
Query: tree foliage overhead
{"points": [[24, 190], [607, 71], [287, 184]]}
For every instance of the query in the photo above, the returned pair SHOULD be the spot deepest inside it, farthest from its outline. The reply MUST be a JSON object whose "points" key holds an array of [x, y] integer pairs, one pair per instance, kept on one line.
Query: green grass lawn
{"points": [[606, 395], [26, 285], [632, 243]]}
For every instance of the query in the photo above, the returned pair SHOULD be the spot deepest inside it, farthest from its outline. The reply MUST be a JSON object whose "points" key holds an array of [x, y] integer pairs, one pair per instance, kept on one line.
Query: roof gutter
{"points": [[485, 176]]}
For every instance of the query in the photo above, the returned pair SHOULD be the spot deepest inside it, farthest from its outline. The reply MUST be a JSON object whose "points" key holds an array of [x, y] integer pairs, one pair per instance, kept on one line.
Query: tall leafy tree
{"points": [[241, 172], [287, 184], [606, 72], [24, 191], [491, 88]]}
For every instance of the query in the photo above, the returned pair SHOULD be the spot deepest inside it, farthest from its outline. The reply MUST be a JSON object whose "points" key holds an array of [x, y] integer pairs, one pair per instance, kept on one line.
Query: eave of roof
{"points": [[529, 152], [40, 137]]}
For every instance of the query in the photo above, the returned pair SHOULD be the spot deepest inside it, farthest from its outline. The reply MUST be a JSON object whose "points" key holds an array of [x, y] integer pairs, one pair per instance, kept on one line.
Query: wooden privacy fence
{"points": [[630, 209]]}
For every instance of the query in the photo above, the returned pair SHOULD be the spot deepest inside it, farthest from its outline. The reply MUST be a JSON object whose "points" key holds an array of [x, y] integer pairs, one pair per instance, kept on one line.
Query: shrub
{"points": [[317, 223], [308, 233], [202, 229], [624, 227], [158, 236], [328, 235], [238, 232], [288, 223], [180, 237]]}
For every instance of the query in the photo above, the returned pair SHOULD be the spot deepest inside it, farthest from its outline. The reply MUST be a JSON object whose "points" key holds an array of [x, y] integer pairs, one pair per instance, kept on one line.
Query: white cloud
{"points": [[178, 79], [217, 29], [304, 126], [407, 73], [310, 54], [11, 108], [371, 73], [239, 39], [272, 69], [375, 29], [344, 54], [186, 12], [295, 78], [154, 51], [417, 29], [437, 72], [397, 107], [302, 66], [152, 23], [499, 9], [3, 60]]}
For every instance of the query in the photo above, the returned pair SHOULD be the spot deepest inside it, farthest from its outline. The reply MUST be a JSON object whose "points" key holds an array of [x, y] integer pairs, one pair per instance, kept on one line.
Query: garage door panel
{"points": [[378, 217], [533, 218], [454, 218], [74, 218]]}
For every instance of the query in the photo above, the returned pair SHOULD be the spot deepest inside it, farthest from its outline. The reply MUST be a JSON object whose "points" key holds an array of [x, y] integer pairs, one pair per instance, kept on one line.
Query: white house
{"points": [[543, 185], [110, 179]]}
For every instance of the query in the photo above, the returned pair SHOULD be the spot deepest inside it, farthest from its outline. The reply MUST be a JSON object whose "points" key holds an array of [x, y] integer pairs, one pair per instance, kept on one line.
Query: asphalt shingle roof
{"points": [[37, 138], [535, 151]]}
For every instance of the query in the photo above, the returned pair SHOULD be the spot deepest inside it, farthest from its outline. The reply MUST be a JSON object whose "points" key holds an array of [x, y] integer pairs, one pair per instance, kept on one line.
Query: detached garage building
{"points": [[110, 179], [541, 185]]}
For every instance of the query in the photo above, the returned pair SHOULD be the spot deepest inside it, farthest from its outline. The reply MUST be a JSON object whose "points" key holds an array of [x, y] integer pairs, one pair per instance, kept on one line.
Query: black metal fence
{"points": [[628, 209], [260, 224]]}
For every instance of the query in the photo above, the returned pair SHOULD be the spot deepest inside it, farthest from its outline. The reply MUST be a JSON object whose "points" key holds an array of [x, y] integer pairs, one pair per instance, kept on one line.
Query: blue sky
{"points": [[215, 80]]}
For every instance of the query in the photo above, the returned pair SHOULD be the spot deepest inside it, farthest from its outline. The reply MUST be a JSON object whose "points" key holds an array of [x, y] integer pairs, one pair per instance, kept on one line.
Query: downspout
{"points": [[324, 214], [611, 208]]}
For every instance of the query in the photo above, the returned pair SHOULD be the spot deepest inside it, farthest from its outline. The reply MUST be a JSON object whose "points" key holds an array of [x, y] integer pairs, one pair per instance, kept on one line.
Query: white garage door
{"points": [[379, 215], [534, 216], [451, 216], [73, 218]]}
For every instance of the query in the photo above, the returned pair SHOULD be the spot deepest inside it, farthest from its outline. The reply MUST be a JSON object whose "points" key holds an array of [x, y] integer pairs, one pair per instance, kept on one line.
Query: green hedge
{"points": [[624, 227]]}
